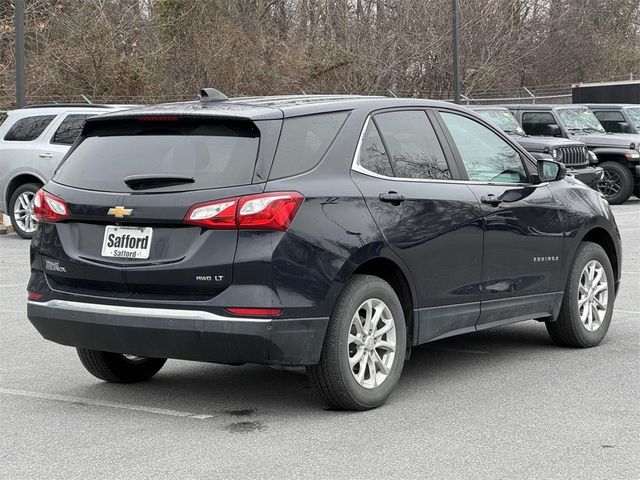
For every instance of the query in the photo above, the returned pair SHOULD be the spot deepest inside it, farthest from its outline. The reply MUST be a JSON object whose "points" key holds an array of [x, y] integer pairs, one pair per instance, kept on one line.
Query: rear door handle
{"points": [[393, 198], [491, 199], [45, 155]]}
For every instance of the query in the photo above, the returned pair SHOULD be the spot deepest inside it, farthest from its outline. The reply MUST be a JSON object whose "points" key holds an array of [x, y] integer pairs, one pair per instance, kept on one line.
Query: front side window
{"points": [[373, 156], [579, 119], [69, 129], [486, 156], [537, 123], [412, 145], [29, 128]]}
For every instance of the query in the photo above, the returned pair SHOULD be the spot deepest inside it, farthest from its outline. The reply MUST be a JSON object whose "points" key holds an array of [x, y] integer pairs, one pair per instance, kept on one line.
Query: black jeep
{"points": [[618, 154], [574, 154]]}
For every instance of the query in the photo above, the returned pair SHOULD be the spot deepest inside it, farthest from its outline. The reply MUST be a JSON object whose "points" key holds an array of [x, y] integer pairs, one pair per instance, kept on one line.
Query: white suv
{"points": [[33, 140]]}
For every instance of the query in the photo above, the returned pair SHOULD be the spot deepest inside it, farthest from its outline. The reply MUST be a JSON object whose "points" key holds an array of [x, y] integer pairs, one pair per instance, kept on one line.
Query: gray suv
{"points": [[33, 140]]}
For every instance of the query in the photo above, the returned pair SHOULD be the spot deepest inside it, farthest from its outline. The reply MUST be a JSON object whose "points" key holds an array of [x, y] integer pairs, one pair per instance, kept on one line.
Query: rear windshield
{"points": [[212, 153]]}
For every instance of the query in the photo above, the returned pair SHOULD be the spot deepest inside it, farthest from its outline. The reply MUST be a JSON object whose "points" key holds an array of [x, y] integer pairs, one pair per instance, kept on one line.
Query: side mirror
{"points": [[551, 171], [554, 130], [623, 127]]}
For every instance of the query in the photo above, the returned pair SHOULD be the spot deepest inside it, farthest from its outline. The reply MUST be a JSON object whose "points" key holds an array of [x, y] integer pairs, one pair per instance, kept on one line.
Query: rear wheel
{"points": [[587, 306], [20, 210], [119, 368], [617, 182], [364, 349]]}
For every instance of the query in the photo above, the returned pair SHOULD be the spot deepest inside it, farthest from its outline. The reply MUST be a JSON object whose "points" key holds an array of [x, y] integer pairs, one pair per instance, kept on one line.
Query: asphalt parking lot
{"points": [[504, 403]]}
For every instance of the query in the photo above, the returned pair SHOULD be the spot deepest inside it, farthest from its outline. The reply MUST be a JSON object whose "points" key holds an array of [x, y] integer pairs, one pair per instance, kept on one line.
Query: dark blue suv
{"points": [[334, 232]]}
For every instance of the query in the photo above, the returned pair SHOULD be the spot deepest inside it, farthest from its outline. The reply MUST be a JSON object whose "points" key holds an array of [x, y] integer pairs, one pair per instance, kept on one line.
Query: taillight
{"points": [[267, 211], [49, 208], [218, 214]]}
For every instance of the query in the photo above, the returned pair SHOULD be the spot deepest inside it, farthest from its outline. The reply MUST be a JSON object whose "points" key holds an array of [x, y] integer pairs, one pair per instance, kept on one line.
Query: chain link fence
{"points": [[558, 93]]}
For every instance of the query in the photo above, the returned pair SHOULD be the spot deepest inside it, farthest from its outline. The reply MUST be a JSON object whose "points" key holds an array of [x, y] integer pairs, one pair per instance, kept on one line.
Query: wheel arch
{"points": [[392, 273], [602, 237], [17, 181]]}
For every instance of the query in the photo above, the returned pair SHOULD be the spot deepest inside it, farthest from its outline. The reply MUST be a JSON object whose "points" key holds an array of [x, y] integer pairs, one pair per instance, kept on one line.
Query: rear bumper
{"points": [[182, 334], [588, 175]]}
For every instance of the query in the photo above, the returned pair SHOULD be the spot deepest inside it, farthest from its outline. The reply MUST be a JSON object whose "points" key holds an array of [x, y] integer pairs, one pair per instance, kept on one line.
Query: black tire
{"points": [[617, 184], [333, 378], [636, 191], [569, 330], [117, 368], [27, 187]]}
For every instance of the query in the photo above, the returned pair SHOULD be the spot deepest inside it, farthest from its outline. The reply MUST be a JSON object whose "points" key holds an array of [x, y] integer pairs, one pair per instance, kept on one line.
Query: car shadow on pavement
{"points": [[221, 389]]}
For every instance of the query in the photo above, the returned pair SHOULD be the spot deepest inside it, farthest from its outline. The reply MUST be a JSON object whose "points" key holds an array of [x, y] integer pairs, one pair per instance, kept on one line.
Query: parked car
{"points": [[573, 154], [33, 140], [333, 232], [618, 155], [620, 118]]}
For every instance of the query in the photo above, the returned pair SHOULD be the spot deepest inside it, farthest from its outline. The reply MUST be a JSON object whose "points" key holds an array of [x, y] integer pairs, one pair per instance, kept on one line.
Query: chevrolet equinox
{"points": [[333, 232]]}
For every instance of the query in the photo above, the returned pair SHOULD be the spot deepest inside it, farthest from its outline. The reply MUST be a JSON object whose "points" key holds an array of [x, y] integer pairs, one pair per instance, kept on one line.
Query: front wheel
{"points": [[617, 183], [20, 210], [364, 348], [119, 368], [587, 306]]}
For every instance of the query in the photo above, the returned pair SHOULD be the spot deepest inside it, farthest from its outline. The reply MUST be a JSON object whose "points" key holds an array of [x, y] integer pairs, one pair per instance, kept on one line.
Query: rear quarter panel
{"points": [[333, 232]]}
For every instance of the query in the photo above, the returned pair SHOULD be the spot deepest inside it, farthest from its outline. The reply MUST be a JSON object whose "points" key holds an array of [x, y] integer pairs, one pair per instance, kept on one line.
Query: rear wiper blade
{"points": [[148, 181]]}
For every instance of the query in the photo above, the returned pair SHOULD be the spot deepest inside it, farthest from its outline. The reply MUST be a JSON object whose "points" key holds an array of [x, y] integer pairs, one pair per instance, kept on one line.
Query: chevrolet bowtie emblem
{"points": [[120, 212]]}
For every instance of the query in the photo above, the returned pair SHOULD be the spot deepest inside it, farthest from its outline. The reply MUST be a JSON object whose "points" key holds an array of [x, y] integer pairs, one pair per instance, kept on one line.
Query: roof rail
{"points": [[62, 105], [208, 95]]}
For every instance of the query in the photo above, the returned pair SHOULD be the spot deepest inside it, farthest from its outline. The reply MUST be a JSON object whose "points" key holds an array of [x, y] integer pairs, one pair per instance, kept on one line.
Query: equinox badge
{"points": [[120, 212]]}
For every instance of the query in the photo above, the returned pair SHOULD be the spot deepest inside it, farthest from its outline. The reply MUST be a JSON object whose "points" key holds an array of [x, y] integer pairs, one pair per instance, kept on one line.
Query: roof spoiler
{"points": [[208, 95]]}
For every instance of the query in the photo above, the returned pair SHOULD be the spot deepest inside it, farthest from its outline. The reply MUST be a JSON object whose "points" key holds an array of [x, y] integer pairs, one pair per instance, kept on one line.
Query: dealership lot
{"points": [[502, 403]]}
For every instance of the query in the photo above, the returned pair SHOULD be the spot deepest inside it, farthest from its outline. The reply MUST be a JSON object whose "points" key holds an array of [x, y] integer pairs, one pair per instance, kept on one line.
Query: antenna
{"points": [[211, 95]]}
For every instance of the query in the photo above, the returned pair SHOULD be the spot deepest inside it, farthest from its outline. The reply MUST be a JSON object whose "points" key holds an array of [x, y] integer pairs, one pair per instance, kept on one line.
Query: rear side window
{"points": [[212, 153], [373, 156], [29, 128], [69, 129], [537, 123], [304, 141], [412, 145]]}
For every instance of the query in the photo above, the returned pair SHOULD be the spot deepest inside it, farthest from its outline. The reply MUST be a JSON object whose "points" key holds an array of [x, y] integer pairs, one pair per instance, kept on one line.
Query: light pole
{"points": [[456, 52], [21, 89]]}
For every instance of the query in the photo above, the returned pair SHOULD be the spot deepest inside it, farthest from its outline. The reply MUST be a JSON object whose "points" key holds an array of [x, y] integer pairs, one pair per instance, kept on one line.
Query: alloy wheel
{"points": [[611, 183], [23, 212], [593, 296], [372, 343]]}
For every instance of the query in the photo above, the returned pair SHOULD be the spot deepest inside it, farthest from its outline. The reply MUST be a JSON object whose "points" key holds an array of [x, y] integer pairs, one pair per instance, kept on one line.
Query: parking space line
{"points": [[101, 403]]}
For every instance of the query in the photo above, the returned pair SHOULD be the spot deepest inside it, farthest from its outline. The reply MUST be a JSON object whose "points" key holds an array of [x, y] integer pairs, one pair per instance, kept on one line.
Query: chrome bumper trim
{"points": [[142, 312]]}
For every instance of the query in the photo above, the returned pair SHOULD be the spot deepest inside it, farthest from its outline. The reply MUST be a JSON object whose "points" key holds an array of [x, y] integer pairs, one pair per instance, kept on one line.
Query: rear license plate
{"points": [[127, 242]]}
